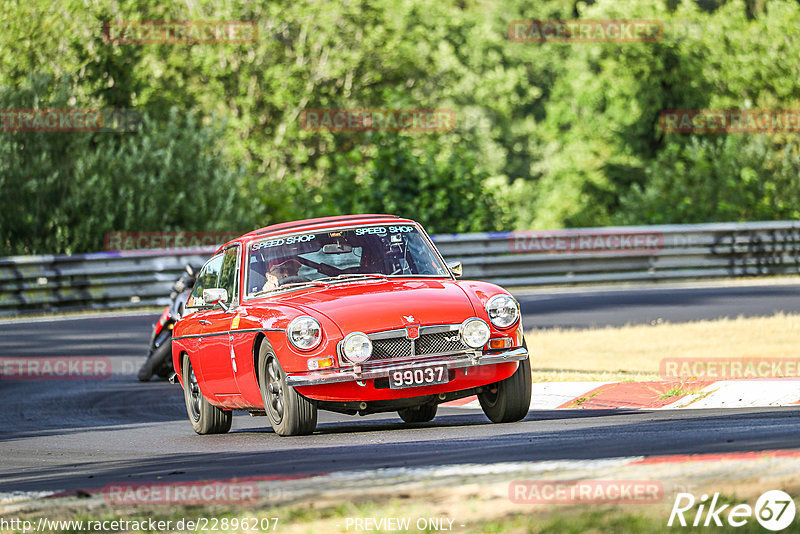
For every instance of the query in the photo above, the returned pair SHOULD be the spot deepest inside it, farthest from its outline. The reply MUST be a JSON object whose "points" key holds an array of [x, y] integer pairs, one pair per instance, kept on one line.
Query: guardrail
{"points": [[578, 256]]}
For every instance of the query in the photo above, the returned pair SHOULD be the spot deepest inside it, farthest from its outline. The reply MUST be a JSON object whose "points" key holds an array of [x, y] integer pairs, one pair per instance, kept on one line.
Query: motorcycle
{"points": [[159, 359]]}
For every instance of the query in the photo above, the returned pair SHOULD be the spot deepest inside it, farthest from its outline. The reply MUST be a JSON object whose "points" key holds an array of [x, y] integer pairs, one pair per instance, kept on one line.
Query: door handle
{"points": [[203, 321]]}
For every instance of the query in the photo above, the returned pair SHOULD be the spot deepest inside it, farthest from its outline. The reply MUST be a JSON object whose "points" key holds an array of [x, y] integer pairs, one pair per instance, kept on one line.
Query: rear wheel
{"points": [[509, 400], [418, 414], [289, 413], [205, 417]]}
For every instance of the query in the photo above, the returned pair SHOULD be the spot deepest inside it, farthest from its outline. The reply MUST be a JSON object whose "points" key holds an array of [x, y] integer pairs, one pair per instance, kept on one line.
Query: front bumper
{"points": [[455, 361]]}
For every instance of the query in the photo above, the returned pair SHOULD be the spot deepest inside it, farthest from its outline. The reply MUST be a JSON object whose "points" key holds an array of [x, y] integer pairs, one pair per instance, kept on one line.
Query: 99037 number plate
{"points": [[421, 376]]}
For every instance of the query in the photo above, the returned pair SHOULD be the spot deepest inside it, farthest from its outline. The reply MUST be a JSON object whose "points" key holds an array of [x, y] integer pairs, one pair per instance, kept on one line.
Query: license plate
{"points": [[421, 376]]}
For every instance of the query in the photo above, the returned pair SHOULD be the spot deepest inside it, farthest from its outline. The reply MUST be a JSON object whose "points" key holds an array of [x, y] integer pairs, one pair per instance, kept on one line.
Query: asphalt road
{"points": [[70, 434], [585, 308]]}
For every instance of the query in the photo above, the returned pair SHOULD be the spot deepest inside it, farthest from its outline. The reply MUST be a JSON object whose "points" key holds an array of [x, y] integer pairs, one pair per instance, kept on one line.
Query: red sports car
{"points": [[356, 314]]}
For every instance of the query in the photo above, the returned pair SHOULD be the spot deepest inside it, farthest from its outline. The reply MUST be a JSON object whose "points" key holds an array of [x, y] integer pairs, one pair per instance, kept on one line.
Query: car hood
{"points": [[375, 305]]}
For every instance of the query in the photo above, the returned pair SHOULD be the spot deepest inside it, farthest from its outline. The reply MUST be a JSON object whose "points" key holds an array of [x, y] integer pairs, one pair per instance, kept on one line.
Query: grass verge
{"points": [[633, 353]]}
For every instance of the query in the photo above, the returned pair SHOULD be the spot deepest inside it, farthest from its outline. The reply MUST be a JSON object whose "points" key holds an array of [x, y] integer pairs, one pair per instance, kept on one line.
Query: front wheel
{"points": [[509, 400], [289, 413], [159, 362], [204, 416]]}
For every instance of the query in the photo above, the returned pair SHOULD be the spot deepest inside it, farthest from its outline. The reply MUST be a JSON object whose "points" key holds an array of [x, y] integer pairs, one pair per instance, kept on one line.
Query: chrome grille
{"points": [[392, 345], [439, 342]]}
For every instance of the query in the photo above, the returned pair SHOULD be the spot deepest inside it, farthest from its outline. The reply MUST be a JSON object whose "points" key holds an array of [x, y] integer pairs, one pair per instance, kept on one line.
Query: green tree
{"points": [[64, 190]]}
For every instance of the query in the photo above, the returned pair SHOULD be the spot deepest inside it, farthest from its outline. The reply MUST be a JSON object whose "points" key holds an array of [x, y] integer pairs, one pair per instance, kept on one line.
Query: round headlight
{"points": [[475, 333], [357, 347], [503, 310], [304, 332]]}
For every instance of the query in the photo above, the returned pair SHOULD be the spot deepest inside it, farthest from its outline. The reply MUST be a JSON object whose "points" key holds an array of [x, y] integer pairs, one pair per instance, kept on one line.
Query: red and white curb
{"points": [[742, 393]]}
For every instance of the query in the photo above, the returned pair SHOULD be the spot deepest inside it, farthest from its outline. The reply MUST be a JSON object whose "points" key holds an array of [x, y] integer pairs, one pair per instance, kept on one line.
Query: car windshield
{"points": [[329, 256]]}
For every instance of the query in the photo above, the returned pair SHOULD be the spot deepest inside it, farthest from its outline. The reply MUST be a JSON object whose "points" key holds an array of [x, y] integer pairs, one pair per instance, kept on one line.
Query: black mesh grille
{"points": [[387, 349], [439, 343], [426, 344]]}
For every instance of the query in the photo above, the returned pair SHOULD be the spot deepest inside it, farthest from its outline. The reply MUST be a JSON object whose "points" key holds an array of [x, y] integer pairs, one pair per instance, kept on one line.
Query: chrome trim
{"points": [[402, 333], [423, 329], [439, 328], [388, 334], [226, 332], [457, 361]]}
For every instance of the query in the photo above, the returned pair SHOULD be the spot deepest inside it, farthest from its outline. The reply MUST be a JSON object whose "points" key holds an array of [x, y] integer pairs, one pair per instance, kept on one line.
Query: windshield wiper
{"points": [[293, 285], [351, 276], [321, 282]]}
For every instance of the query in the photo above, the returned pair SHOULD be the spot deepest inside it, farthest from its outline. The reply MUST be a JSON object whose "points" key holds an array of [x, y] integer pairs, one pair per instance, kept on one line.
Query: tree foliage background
{"points": [[547, 135]]}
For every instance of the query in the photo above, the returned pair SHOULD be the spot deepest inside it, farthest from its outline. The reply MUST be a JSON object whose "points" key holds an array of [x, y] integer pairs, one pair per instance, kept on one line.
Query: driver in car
{"points": [[279, 269]]}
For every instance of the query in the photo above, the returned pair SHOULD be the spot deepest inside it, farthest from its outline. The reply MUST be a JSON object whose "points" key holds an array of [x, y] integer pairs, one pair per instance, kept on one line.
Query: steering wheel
{"points": [[292, 280]]}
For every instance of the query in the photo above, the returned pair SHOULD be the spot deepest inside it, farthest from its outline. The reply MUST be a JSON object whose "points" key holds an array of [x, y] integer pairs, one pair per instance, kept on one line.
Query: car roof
{"points": [[319, 223]]}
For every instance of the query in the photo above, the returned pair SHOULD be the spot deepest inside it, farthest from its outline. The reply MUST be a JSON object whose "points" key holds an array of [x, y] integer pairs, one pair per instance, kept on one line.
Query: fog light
{"points": [[475, 333], [320, 363], [356, 347]]}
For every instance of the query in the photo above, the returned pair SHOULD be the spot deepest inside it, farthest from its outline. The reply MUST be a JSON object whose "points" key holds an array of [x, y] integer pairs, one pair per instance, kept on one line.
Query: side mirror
{"points": [[456, 268], [189, 269], [216, 295]]}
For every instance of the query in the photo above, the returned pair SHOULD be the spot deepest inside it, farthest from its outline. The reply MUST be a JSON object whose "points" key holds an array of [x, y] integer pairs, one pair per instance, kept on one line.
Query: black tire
{"points": [[164, 370], [158, 363], [509, 400], [289, 413], [205, 417], [146, 370], [418, 414]]}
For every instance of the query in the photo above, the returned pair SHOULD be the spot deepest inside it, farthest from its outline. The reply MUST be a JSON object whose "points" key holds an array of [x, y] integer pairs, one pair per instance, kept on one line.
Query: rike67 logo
{"points": [[774, 510]]}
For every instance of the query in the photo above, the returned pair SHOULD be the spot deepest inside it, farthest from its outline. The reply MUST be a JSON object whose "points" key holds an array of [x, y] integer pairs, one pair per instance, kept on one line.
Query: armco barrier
{"points": [[513, 259], [102, 280]]}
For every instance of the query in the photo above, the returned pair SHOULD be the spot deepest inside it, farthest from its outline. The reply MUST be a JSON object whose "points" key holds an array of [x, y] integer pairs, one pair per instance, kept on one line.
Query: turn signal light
{"points": [[500, 343], [320, 363]]}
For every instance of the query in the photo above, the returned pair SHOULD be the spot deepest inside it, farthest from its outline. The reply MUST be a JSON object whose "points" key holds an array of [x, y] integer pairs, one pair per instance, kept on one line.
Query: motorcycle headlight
{"points": [[304, 332], [357, 347], [475, 333], [503, 310]]}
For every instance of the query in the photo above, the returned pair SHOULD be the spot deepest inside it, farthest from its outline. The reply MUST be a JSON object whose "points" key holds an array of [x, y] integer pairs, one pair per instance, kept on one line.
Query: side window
{"points": [[208, 278], [227, 274]]}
